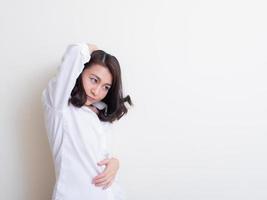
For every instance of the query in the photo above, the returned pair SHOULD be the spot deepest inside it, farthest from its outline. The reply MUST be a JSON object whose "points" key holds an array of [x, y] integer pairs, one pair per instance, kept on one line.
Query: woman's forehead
{"points": [[100, 72]]}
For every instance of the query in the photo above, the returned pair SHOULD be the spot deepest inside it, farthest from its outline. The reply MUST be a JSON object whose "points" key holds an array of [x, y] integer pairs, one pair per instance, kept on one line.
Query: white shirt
{"points": [[77, 138]]}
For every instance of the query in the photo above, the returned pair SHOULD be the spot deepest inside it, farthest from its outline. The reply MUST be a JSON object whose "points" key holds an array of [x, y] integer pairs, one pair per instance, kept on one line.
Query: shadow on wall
{"points": [[35, 156]]}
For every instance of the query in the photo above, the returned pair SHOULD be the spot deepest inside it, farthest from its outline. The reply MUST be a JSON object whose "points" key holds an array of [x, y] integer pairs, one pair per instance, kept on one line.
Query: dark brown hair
{"points": [[114, 98]]}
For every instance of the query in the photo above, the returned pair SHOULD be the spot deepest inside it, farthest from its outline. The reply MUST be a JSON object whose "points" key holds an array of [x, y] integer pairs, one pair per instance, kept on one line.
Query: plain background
{"points": [[196, 71]]}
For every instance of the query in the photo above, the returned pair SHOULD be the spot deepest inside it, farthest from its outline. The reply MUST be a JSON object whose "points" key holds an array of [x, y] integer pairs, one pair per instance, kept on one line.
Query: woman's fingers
{"points": [[92, 47], [104, 176], [104, 162], [104, 181], [105, 173], [109, 183]]}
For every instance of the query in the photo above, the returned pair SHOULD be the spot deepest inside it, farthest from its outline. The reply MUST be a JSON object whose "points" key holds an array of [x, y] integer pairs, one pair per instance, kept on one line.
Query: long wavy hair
{"points": [[114, 99]]}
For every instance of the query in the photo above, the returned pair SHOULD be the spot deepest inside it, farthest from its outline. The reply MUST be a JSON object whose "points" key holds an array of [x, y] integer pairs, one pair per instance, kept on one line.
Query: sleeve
{"points": [[59, 88]]}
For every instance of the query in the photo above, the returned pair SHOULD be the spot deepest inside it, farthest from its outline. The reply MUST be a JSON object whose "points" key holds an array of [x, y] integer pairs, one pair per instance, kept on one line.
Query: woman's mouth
{"points": [[90, 98]]}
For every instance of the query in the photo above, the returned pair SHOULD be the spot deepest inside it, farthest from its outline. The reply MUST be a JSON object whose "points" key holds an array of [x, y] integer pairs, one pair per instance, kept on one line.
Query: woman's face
{"points": [[96, 81]]}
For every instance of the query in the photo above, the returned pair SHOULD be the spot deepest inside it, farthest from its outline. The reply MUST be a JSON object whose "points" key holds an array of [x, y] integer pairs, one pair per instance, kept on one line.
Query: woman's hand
{"points": [[107, 177], [92, 47]]}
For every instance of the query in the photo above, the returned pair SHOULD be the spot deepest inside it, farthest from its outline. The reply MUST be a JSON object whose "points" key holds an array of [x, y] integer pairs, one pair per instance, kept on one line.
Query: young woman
{"points": [[80, 103]]}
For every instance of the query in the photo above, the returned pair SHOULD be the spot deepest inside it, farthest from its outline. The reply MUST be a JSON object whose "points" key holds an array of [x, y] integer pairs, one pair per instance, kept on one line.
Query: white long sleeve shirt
{"points": [[77, 138]]}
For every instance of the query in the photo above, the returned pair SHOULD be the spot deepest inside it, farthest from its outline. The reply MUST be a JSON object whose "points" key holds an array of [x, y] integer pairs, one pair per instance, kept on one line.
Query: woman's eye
{"points": [[107, 88], [93, 80]]}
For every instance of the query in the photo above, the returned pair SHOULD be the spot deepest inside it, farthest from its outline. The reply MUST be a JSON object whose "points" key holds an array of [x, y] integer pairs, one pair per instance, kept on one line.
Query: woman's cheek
{"points": [[103, 96], [87, 86]]}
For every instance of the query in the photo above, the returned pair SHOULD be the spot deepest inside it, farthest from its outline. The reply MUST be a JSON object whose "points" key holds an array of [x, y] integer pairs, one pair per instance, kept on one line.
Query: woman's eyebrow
{"points": [[100, 79], [96, 76]]}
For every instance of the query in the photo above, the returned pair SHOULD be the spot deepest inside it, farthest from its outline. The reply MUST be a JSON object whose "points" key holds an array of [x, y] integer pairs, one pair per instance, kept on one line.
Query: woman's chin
{"points": [[88, 103]]}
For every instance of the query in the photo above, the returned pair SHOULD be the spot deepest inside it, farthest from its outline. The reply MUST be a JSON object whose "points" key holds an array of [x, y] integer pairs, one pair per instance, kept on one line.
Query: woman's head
{"points": [[96, 81], [101, 81]]}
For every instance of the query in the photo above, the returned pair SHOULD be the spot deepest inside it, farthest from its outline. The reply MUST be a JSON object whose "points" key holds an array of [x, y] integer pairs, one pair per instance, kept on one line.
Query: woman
{"points": [[80, 104]]}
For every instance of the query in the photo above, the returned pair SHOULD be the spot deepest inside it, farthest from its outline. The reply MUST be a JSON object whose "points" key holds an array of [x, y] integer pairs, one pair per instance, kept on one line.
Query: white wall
{"points": [[196, 71]]}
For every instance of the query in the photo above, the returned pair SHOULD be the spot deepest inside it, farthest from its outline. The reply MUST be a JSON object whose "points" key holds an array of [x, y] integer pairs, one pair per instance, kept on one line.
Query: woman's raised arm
{"points": [[59, 88]]}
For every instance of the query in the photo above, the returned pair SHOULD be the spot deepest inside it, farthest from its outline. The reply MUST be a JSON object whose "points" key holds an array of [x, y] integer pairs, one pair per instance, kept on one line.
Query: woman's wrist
{"points": [[92, 48]]}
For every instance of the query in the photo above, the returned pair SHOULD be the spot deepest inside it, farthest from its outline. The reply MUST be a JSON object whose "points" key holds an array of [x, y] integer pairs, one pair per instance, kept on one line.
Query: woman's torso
{"points": [[78, 140]]}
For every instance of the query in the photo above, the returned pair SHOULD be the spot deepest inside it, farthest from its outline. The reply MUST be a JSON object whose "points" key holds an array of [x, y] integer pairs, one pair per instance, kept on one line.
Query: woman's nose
{"points": [[95, 91]]}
